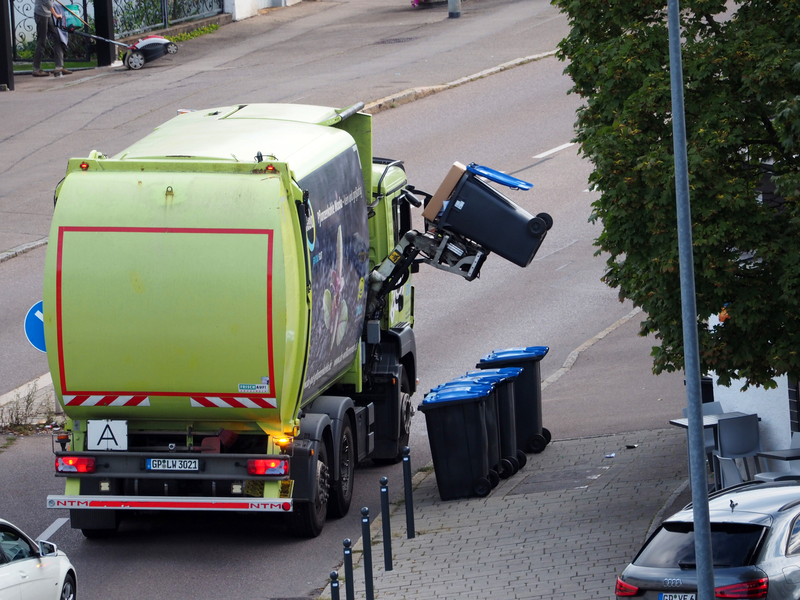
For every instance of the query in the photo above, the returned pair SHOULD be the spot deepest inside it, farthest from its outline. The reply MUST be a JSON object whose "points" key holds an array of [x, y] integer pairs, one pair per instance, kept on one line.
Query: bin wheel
{"points": [[514, 463], [548, 220], [506, 469], [537, 226], [521, 458], [547, 435], [537, 443], [494, 478], [482, 487]]}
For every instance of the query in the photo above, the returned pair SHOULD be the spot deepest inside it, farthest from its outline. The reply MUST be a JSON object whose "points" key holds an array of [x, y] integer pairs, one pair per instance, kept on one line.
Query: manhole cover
{"points": [[562, 479]]}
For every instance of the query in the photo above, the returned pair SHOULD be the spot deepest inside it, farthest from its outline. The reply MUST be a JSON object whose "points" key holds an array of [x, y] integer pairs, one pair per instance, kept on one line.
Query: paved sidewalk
{"points": [[562, 527]]}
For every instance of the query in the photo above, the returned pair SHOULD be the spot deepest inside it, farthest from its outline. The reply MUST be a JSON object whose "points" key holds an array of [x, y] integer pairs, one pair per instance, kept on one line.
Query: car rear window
{"points": [[672, 546]]}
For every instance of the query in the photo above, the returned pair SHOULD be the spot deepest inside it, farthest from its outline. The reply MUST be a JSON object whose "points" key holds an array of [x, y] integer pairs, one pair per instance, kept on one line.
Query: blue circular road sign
{"points": [[34, 326]]}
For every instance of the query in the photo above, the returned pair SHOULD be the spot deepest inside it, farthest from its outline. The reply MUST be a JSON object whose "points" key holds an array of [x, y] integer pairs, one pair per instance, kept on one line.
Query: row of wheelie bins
{"points": [[481, 425]]}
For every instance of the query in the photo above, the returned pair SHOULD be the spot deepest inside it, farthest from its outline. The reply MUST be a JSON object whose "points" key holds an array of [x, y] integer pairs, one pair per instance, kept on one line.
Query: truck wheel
{"points": [[309, 517], [342, 492], [406, 412]]}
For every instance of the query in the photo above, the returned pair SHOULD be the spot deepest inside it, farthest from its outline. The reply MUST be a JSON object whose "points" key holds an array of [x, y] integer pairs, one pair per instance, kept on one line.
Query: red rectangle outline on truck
{"points": [[62, 375], [171, 503]]}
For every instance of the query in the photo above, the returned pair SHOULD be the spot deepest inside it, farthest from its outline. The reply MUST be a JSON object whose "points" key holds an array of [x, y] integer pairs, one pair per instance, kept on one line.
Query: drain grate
{"points": [[395, 41]]}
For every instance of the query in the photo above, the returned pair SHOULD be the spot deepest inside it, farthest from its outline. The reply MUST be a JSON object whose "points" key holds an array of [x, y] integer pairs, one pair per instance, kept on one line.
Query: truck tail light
{"points": [[757, 588], [267, 466], [75, 464], [625, 589]]}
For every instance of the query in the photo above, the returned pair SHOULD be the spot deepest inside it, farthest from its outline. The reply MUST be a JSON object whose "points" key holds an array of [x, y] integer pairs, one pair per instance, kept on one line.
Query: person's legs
{"points": [[58, 49], [42, 27]]}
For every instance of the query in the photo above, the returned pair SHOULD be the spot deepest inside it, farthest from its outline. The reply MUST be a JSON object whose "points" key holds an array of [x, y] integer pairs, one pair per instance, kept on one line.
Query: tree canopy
{"points": [[741, 71]]}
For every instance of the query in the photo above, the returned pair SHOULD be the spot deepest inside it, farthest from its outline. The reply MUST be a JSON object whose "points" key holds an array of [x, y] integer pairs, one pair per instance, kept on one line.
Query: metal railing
{"points": [[130, 18]]}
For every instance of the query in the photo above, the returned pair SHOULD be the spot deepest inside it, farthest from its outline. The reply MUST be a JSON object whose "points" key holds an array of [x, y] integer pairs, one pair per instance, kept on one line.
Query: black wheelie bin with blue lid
{"points": [[496, 469], [456, 420], [506, 417], [481, 213], [531, 435]]}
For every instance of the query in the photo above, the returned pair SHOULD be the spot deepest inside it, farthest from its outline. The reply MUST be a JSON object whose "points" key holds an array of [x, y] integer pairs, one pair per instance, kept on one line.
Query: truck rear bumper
{"points": [[283, 505]]}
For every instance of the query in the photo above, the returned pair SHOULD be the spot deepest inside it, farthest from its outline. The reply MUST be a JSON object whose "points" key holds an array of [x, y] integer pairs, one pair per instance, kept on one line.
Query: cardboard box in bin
{"points": [[445, 189]]}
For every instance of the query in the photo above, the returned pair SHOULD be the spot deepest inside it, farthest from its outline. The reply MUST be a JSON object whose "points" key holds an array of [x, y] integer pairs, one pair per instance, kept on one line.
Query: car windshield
{"points": [[732, 545]]}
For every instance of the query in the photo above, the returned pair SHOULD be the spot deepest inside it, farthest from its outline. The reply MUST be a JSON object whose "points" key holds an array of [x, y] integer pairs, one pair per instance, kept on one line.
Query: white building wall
{"points": [[244, 9], [772, 406]]}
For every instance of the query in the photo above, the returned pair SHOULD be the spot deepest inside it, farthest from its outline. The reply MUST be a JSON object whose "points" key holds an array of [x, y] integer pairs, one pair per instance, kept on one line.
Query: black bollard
{"points": [[348, 570], [387, 526], [367, 543], [409, 493], [334, 585]]}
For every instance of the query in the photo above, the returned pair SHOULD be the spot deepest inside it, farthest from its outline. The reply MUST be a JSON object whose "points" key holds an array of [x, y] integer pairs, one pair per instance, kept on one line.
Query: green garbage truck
{"points": [[229, 315]]}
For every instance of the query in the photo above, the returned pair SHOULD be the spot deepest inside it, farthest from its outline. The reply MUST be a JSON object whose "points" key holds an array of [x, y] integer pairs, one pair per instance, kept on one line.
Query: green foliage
{"points": [[741, 75], [182, 37]]}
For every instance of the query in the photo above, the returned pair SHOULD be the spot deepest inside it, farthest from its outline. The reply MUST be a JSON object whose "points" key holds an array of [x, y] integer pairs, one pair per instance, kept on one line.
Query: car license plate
{"points": [[672, 596], [172, 464]]}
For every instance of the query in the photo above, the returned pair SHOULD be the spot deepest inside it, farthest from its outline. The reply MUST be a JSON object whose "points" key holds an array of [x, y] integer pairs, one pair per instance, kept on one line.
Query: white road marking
{"points": [[45, 535], [543, 256], [554, 150]]}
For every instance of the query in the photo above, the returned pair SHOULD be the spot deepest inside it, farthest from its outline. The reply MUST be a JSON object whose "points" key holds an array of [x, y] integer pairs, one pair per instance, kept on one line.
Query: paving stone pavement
{"points": [[563, 527]]}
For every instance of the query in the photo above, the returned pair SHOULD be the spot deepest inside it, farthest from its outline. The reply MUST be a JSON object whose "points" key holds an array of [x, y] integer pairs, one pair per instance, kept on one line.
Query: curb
{"points": [[412, 94], [22, 249], [376, 531]]}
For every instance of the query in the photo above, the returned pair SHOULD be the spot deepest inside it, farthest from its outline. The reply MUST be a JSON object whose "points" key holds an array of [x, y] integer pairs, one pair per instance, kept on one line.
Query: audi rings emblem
{"points": [[672, 582]]}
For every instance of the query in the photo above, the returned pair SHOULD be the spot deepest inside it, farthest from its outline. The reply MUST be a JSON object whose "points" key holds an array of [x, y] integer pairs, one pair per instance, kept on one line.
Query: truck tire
{"points": [[342, 490], [406, 412], [309, 517]]}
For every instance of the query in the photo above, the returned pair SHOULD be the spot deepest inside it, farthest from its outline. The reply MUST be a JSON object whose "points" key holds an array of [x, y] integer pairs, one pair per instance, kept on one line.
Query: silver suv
{"points": [[755, 541]]}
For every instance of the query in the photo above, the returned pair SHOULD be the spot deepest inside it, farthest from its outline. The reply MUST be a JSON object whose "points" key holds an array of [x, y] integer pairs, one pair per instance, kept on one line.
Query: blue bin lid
{"points": [[468, 383], [503, 374], [531, 353], [499, 177], [464, 393]]}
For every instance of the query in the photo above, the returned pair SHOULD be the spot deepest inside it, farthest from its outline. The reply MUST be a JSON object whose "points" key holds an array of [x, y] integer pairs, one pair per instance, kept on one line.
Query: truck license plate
{"points": [[172, 464]]}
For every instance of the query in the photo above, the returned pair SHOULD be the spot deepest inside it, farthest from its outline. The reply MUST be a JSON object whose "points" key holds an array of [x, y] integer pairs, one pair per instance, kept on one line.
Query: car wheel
{"points": [[342, 492], [309, 517], [68, 589]]}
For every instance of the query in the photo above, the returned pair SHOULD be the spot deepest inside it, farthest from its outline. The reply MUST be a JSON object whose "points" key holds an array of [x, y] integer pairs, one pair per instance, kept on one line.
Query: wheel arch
{"points": [[337, 408]]}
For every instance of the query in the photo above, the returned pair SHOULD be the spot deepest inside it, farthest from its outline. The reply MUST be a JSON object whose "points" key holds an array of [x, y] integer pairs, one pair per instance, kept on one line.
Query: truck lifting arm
{"points": [[443, 250]]}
